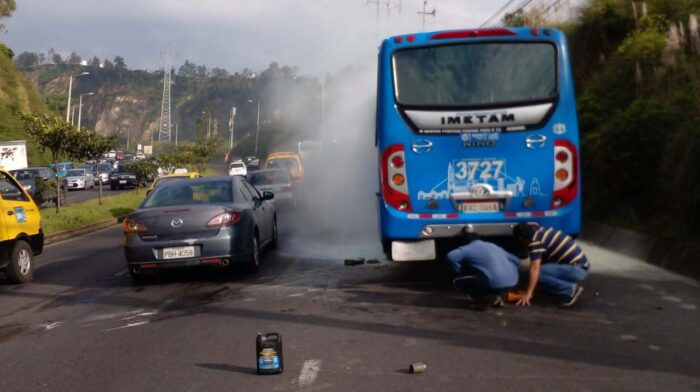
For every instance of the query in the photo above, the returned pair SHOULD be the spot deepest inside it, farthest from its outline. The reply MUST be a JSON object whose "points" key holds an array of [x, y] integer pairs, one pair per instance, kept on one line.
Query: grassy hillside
{"points": [[17, 94]]}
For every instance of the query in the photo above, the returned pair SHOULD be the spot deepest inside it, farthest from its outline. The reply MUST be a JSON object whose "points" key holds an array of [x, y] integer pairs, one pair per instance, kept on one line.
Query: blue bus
{"points": [[476, 130]]}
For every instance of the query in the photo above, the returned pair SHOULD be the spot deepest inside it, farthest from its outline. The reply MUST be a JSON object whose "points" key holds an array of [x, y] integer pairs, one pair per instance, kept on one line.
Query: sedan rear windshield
{"points": [[475, 74], [186, 193], [283, 163], [271, 177], [75, 173]]}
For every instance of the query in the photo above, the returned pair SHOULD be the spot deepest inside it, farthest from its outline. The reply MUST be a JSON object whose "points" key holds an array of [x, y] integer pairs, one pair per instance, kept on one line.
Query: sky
{"points": [[317, 36]]}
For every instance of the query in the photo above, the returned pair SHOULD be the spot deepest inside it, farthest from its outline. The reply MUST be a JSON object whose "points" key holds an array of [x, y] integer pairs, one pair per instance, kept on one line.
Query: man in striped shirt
{"points": [[556, 263]]}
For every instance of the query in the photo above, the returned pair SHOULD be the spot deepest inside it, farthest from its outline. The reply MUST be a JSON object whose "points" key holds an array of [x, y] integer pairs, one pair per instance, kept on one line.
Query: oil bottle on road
{"points": [[269, 353]]}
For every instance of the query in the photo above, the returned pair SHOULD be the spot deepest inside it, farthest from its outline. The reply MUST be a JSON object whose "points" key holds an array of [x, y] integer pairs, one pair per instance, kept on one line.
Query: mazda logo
{"points": [[177, 222]]}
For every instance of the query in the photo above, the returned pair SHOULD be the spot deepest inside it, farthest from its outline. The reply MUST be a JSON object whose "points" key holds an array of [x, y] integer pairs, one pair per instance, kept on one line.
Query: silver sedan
{"points": [[210, 221], [80, 179]]}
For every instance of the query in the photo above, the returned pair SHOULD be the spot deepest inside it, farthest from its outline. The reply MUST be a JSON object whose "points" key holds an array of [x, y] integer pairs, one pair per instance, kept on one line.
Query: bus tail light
{"points": [[565, 173], [394, 184], [457, 34]]}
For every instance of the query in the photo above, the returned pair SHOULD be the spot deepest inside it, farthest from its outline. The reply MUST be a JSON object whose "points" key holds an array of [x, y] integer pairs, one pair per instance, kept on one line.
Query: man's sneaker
{"points": [[574, 298], [497, 302]]}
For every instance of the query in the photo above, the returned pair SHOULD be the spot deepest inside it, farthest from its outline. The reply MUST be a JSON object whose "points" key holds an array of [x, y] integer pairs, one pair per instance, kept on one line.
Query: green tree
{"points": [[7, 7], [26, 60], [74, 59], [143, 168], [50, 133]]}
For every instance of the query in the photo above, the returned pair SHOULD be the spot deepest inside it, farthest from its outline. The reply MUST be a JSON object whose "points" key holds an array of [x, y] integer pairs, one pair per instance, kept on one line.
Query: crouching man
{"points": [[556, 263], [485, 271]]}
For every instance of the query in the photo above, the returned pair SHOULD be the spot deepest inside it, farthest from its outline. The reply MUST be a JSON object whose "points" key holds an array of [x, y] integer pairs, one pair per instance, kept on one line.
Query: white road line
{"points": [[309, 372], [53, 325], [136, 324]]}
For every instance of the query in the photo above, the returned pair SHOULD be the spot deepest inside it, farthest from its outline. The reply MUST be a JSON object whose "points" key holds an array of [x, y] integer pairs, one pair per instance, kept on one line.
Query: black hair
{"points": [[523, 230], [469, 237]]}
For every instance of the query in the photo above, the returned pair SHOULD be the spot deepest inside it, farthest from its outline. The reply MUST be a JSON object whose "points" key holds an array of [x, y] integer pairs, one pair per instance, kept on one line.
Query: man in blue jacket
{"points": [[485, 271]]}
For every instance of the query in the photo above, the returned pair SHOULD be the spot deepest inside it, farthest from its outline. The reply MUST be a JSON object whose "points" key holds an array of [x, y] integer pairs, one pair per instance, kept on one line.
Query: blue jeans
{"points": [[561, 279]]}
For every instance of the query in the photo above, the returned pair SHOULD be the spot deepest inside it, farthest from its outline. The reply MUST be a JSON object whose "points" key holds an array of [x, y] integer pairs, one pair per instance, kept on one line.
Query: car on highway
{"points": [[40, 183], [208, 221], [290, 161], [252, 162], [21, 236], [168, 178], [237, 168], [277, 181], [80, 179], [122, 178], [102, 172]]}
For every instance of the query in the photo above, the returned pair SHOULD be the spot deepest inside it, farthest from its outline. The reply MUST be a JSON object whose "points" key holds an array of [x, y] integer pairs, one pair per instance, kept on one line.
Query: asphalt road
{"points": [[83, 326]]}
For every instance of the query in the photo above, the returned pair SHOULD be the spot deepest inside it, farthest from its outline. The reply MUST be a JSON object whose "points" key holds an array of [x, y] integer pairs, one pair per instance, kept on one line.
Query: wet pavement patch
{"points": [[10, 331]]}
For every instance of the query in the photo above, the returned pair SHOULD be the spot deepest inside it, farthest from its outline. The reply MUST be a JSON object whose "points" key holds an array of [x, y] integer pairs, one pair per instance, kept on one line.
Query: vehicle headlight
{"points": [[27, 187], [132, 177]]}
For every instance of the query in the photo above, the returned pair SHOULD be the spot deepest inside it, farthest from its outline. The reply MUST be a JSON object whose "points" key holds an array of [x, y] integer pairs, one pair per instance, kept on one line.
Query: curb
{"points": [[72, 233], [662, 252]]}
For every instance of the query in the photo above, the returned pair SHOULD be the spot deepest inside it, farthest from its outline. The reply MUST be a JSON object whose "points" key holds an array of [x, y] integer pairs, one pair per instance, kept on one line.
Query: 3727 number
{"points": [[482, 170]]}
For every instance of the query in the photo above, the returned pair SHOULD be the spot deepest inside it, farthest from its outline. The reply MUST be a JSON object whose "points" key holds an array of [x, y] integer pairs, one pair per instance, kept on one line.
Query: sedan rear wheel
{"points": [[273, 243], [254, 258]]}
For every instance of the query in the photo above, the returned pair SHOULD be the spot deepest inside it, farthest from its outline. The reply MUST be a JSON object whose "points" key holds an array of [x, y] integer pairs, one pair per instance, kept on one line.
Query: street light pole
{"points": [[80, 107], [70, 92], [257, 129]]}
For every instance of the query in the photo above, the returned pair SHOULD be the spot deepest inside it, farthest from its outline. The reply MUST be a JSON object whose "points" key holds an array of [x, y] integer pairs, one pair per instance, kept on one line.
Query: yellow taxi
{"points": [[290, 161], [21, 236], [172, 177]]}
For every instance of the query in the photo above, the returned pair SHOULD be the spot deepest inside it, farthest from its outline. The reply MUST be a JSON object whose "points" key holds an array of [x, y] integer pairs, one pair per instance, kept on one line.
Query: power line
{"points": [[498, 13]]}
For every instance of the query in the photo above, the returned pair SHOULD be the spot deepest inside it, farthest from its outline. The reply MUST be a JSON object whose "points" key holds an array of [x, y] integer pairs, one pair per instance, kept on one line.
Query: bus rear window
{"points": [[475, 74]]}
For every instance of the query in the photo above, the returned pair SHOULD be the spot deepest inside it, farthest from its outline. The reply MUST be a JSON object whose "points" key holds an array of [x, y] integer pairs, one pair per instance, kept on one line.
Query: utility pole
{"points": [[424, 13], [165, 119], [176, 129], [209, 127], [230, 127]]}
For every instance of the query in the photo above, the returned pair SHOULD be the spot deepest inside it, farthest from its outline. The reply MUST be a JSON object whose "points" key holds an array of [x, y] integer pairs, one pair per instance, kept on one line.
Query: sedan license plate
{"points": [[181, 252], [122, 181], [480, 206]]}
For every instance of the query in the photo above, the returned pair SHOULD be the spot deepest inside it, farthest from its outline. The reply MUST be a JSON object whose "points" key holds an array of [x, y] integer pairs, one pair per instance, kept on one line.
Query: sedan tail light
{"points": [[225, 219], [133, 226], [287, 188]]}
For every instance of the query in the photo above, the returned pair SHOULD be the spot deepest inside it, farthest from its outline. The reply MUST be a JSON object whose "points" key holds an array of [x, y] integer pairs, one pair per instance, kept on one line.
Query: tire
{"points": [[253, 263], [273, 242], [112, 187], [21, 267]]}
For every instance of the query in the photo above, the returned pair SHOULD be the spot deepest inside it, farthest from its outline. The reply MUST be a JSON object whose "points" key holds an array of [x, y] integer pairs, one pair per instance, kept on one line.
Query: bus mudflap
{"points": [[413, 250]]}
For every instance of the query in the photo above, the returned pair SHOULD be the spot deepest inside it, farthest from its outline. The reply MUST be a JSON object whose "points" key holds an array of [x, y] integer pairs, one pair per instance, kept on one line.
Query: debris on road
{"points": [[269, 353], [417, 367], [355, 261]]}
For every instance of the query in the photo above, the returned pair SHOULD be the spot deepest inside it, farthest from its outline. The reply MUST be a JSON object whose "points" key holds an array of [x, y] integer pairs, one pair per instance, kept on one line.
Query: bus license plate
{"points": [[480, 206], [181, 252]]}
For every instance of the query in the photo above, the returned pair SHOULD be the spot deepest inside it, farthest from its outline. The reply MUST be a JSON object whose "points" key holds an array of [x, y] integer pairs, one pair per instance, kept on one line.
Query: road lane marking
{"points": [[689, 306], [136, 324], [50, 326], [671, 298], [309, 372]]}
